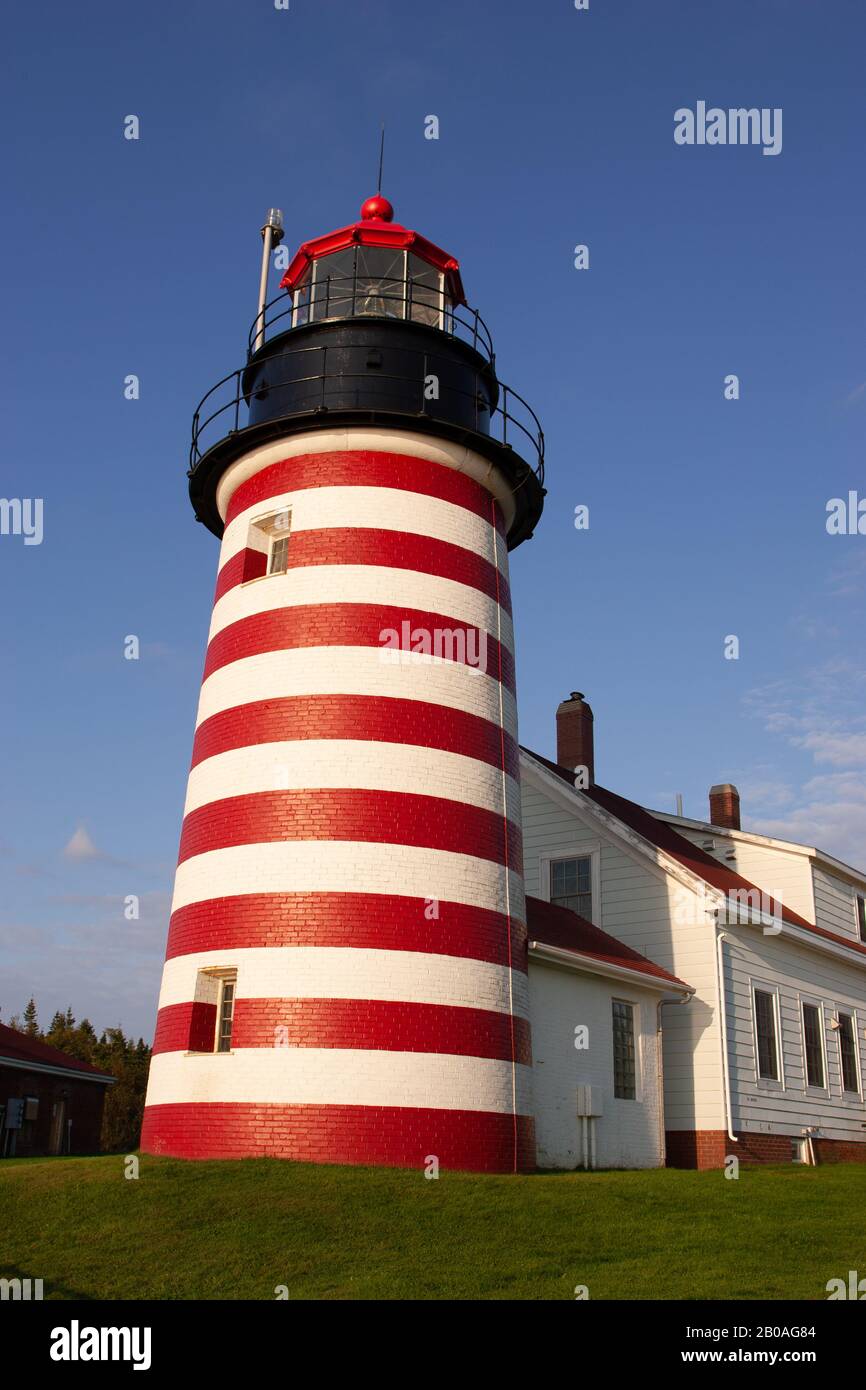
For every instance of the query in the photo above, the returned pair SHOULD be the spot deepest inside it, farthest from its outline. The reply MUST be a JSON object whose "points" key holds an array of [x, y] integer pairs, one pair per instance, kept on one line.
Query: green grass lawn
{"points": [[222, 1230]]}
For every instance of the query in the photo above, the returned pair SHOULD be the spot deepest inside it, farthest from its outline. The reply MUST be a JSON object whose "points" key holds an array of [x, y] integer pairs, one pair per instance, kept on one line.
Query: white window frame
{"points": [[637, 1022], [227, 978], [265, 526], [767, 1082], [818, 1004], [205, 979], [850, 1097], [591, 851]]}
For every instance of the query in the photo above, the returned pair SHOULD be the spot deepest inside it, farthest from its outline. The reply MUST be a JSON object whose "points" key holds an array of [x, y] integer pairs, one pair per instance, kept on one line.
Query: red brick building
{"points": [[50, 1103]]}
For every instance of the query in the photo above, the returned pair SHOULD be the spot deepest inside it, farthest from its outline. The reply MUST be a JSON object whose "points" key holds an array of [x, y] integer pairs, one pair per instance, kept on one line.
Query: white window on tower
{"points": [[225, 1014], [279, 557], [268, 545]]}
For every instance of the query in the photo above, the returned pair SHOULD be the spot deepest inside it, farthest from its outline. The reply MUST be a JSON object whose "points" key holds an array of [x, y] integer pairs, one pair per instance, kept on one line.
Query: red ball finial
{"points": [[377, 209]]}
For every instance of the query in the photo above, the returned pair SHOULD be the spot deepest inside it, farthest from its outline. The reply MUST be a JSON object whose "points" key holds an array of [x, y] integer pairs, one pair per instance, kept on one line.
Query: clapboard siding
{"points": [[628, 1132], [835, 904], [797, 972], [779, 873], [638, 906]]}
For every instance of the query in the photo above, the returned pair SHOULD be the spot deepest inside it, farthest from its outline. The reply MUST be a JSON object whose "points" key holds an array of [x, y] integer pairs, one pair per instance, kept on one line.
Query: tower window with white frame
{"points": [[861, 916], [225, 1014], [268, 544]]}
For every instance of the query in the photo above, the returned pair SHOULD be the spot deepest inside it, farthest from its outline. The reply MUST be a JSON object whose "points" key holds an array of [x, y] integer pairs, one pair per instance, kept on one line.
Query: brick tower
{"points": [[345, 976]]}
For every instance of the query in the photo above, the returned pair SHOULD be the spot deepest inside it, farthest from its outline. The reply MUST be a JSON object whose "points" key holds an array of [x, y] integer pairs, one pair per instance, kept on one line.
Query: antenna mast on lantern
{"points": [[272, 235]]}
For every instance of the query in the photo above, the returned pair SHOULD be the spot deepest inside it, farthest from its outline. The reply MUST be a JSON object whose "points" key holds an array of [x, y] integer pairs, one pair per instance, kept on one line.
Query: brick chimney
{"points": [[725, 806], [574, 740]]}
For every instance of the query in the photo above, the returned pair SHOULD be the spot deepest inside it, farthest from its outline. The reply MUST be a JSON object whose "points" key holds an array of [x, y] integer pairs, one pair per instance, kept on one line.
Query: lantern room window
{"points": [[375, 282]]}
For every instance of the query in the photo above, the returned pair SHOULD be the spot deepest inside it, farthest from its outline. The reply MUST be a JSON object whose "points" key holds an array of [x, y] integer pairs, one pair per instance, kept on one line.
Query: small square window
{"points": [[267, 550], [213, 1010]]}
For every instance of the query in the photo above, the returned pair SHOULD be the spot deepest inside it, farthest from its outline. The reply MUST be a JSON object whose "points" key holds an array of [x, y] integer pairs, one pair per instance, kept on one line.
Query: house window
{"points": [[571, 885], [848, 1053], [799, 1153], [225, 1015], [765, 1032], [814, 1045], [861, 916], [623, 1050]]}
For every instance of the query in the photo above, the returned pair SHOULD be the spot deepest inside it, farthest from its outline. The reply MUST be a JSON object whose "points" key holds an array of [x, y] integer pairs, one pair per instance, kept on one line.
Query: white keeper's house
{"points": [[763, 1055]]}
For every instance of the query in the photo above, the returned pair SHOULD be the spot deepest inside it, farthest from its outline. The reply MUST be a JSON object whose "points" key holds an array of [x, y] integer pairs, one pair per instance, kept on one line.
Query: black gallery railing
{"points": [[304, 372]]}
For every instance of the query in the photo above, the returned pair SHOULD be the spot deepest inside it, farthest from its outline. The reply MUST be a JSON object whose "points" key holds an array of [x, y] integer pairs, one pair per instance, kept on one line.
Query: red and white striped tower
{"points": [[345, 976]]}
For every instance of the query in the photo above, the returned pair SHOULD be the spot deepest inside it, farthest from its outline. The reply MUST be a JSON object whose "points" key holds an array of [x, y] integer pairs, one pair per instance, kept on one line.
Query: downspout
{"points": [[720, 991], [660, 1072]]}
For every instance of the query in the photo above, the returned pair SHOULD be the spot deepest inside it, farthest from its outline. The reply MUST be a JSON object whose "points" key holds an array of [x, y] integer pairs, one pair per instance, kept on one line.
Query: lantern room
{"points": [[374, 268]]}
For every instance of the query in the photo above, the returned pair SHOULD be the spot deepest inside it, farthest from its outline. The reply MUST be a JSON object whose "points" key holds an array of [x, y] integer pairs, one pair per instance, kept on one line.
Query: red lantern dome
{"points": [[377, 229]]}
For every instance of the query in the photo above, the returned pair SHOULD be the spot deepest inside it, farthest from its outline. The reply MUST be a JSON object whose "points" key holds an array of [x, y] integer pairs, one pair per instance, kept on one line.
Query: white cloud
{"points": [[81, 847]]}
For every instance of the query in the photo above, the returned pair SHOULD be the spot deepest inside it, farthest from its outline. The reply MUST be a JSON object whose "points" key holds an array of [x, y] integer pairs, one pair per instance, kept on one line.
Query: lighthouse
{"points": [[346, 969]]}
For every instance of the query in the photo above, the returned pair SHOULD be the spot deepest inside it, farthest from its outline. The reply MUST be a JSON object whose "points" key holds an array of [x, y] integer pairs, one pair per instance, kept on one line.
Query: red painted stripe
{"points": [[350, 813], [188, 1027], [380, 1025], [360, 717], [365, 468], [474, 1140], [351, 625], [365, 921], [240, 569], [362, 545]]}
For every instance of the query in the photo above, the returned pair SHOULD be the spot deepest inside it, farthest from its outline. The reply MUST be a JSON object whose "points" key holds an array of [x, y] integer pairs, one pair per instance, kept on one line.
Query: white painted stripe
{"points": [[373, 766], [458, 604], [346, 866], [457, 457], [355, 671], [377, 508], [338, 972], [336, 1076]]}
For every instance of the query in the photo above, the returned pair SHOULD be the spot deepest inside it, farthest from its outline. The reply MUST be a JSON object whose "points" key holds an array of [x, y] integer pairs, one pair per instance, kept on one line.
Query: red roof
{"points": [[18, 1047], [376, 230], [691, 856], [560, 927]]}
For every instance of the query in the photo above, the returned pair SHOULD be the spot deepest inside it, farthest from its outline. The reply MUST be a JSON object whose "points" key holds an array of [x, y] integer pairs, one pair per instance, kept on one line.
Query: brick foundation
{"points": [[708, 1148]]}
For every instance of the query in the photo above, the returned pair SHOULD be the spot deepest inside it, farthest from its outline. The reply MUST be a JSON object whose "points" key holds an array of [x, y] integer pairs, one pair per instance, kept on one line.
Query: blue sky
{"points": [[707, 516]]}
